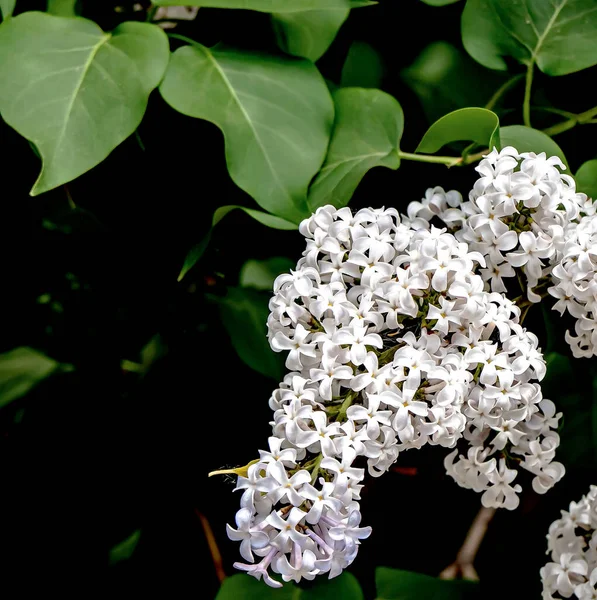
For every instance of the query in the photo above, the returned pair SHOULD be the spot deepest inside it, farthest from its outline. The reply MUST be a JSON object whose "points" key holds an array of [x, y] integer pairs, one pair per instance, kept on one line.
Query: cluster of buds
{"points": [[572, 542], [527, 220], [393, 342]]}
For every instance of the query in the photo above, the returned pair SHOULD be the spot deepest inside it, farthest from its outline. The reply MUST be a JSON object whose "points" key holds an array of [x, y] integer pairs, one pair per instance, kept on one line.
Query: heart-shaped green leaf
{"points": [[466, 124], [276, 115], [586, 178], [75, 91], [244, 587], [363, 67], [309, 33], [367, 131], [527, 139], [559, 35], [260, 274]]}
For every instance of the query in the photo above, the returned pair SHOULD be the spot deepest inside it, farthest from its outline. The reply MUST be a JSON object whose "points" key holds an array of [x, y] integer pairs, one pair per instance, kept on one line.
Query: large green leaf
{"points": [[244, 314], [363, 67], [21, 370], [396, 584], [266, 219], [125, 549], [7, 8], [527, 139], [75, 91], [62, 8], [445, 78], [260, 274], [586, 178], [245, 587], [559, 35], [309, 33], [271, 6], [367, 131], [276, 115], [466, 124]]}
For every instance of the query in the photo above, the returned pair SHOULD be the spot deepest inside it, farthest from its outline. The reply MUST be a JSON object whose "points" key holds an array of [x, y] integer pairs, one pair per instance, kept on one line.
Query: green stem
{"points": [[449, 161], [350, 397], [183, 38], [579, 119], [151, 13], [505, 87], [526, 105], [315, 471]]}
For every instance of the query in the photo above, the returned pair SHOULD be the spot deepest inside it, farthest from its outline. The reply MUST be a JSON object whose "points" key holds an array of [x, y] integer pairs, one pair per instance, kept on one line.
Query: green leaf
{"points": [[276, 115], [527, 139], [466, 124], [367, 132], [245, 587], [559, 35], [270, 6], [75, 91], [260, 274], [244, 314], [586, 178], [439, 2], [62, 8], [266, 219], [445, 78], [21, 370], [363, 67], [396, 584], [311, 32], [125, 549], [7, 7]]}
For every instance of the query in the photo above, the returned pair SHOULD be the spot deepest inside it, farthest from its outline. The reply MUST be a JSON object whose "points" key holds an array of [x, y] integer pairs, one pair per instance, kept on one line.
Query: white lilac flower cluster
{"points": [[572, 542], [526, 219], [392, 344]]}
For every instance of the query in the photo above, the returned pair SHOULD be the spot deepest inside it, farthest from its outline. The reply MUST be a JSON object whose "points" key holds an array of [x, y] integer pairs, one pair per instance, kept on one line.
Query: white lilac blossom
{"points": [[392, 343], [527, 220], [572, 543]]}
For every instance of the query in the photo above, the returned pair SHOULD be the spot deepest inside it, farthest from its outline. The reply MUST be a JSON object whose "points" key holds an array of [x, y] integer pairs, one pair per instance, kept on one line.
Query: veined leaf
{"points": [[260, 274], [276, 115], [466, 124], [559, 35], [270, 6], [75, 91], [527, 139], [586, 178], [367, 132]]}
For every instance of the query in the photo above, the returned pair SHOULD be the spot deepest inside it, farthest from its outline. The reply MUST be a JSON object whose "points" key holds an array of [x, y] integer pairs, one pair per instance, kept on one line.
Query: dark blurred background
{"points": [[92, 455]]}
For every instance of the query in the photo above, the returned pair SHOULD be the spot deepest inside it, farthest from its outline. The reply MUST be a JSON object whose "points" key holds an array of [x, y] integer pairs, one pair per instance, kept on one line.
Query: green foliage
{"points": [[244, 314], [363, 67], [275, 113], [466, 124], [367, 130], [271, 6], [586, 178], [439, 2], [445, 78], [559, 36], [75, 91], [260, 274], [526, 139], [244, 587], [7, 8], [309, 33], [395, 584], [21, 370], [125, 549]]}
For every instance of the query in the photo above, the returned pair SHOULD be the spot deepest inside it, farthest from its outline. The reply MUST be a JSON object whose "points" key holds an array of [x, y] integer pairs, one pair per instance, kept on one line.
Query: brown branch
{"points": [[463, 565], [213, 546]]}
